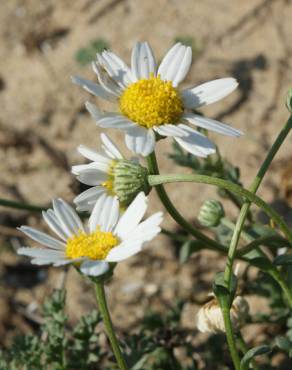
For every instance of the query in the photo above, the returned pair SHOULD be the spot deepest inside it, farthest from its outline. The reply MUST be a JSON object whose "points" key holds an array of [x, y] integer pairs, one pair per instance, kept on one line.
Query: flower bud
{"points": [[211, 213], [210, 318], [129, 179]]}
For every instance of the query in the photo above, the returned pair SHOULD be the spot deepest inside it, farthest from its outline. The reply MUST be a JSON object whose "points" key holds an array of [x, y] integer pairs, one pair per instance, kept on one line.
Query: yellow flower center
{"points": [[151, 102], [109, 183], [95, 246]]}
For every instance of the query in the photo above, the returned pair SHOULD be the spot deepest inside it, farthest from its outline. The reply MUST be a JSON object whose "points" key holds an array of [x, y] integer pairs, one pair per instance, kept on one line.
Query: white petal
{"points": [[92, 88], [105, 81], [108, 120], [43, 253], [64, 217], [92, 155], [195, 143], [89, 195], [124, 250], [176, 64], [94, 166], [167, 60], [42, 238], [73, 216], [140, 140], [110, 214], [52, 221], [180, 65], [211, 124], [117, 121], [94, 268], [67, 261], [105, 213], [92, 177], [209, 92], [147, 229], [143, 61], [132, 216], [41, 261], [169, 130], [116, 68], [110, 147]]}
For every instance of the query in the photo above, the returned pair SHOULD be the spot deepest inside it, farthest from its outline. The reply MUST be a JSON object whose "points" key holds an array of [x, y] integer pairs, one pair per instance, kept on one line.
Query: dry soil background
{"points": [[42, 120]]}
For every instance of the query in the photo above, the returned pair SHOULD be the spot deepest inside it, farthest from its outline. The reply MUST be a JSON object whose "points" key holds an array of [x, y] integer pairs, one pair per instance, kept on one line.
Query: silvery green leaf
{"points": [[252, 353]]}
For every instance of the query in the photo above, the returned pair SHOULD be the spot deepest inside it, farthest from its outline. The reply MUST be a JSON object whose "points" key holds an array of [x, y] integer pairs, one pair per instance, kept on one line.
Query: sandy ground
{"points": [[42, 120]]}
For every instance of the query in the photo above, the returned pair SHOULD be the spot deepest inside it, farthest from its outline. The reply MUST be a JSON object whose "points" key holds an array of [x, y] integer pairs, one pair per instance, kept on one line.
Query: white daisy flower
{"points": [[150, 101], [109, 174], [108, 238]]}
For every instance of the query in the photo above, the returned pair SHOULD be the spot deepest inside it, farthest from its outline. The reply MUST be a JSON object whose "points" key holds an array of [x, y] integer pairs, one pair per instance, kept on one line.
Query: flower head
{"points": [[149, 100], [109, 173], [210, 318], [107, 238], [211, 213]]}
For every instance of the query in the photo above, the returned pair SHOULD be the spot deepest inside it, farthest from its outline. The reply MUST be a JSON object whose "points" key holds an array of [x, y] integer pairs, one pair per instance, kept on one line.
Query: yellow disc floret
{"points": [[151, 102], [95, 246], [109, 183]]}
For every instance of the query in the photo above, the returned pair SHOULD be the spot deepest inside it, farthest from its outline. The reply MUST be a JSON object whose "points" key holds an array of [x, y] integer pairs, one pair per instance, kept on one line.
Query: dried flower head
{"points": [[210, 318]]}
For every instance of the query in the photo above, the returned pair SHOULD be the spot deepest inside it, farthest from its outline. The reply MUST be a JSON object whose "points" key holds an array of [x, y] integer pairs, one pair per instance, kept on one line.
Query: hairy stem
{"points": [[153, 169], [20, 205], [156, 180], [287, 291], [230, 334], [253, 189], [271, 241], [101, 299], [240, 224], [230, 225]]}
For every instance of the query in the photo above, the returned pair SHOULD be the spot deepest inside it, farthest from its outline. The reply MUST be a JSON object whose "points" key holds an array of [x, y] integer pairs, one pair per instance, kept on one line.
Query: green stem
{"points": [[174, 236], [156, 180], [240, 224], [101, 299], [31, 207], [244, 349], [253, 189], [229, 333], [153, 169], [231, 226], [270, 241], [23, 206], [287, 291]]}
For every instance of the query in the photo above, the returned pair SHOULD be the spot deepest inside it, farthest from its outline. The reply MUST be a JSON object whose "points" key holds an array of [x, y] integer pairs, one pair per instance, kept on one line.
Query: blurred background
{"points": [[43, 120]]}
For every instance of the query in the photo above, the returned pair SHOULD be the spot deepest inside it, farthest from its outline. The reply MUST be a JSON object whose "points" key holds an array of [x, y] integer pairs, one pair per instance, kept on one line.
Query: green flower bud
{"points": [[211, 213], [129, 179]]}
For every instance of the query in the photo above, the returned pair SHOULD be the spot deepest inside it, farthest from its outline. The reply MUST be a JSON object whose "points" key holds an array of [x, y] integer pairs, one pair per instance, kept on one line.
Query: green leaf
{"points": [[190, 41], [259, 230], [283, 343], [220, 288], [223, 235], [86, 55], [289, 322], [262, 263], [188, 248], [256, 258], [252, 353], [283, 259], [289, 100]]}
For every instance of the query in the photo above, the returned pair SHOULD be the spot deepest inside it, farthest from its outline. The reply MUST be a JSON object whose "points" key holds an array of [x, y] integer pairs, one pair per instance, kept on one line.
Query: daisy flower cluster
{"points": [[150, 106]]}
